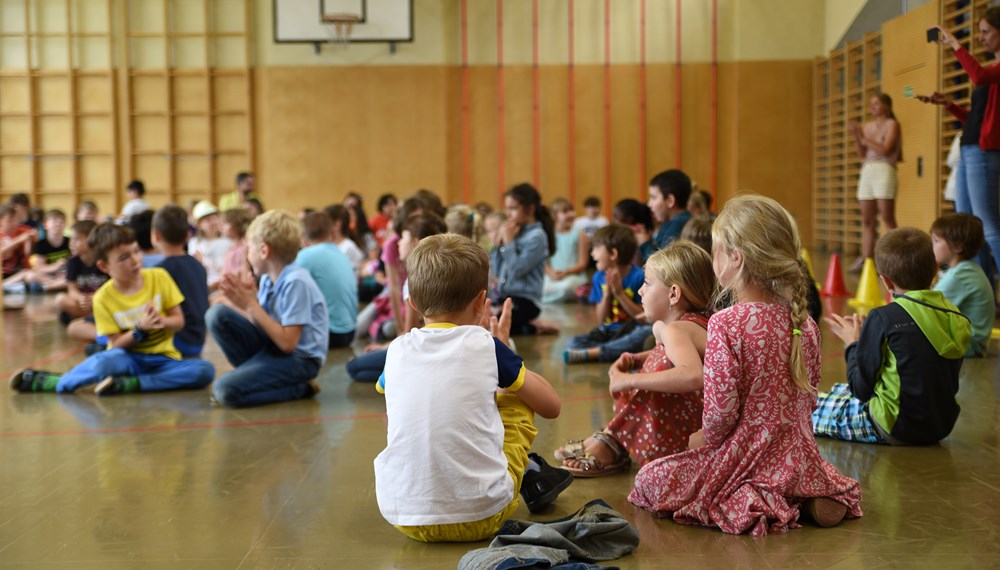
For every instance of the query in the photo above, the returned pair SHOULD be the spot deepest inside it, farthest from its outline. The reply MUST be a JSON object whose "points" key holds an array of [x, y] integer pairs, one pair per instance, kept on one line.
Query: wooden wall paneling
{"points": [[838, 149], [857, 110], [518, 129], [483, 138], [190, 97], [821, 154], [960, 18], [775, 150], [554, 115], [696, 139], [911, 62], [625, 147], [589, 163], [661, 118]]}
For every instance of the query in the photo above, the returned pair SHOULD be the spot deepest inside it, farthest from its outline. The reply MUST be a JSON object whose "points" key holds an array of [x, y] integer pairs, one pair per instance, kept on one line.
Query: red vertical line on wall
{"points": [[642, 95], [501, 133], [535, 109], [677, 91], [714, 174], [607, 102], [572, 111], [466, 110]]}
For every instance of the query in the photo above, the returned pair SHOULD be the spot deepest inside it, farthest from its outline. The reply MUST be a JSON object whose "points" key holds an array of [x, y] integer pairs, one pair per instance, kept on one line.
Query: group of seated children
{"points": [[713, 390]]}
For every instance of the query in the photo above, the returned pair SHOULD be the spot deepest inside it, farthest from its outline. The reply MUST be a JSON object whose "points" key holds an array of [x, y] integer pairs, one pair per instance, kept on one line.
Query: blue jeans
{"points": [[264, 374], [155, 371], [610, 350], [367, 367], [977, 184]]}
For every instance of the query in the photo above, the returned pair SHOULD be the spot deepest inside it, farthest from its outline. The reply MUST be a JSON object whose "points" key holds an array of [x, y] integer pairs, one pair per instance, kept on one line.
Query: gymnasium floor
{"points": [[166, 480]]}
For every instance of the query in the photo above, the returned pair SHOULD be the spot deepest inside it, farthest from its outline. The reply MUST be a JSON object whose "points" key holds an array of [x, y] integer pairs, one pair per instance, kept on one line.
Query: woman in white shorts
{"points": [[879, 143]]}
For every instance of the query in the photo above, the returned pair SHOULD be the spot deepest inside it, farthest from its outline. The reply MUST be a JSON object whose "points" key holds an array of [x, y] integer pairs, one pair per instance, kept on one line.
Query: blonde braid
{"points": [[800, 315]]}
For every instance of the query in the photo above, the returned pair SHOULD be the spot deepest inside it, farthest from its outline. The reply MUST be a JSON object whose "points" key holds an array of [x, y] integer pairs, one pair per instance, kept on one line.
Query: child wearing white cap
{"points": [[208, 245]]}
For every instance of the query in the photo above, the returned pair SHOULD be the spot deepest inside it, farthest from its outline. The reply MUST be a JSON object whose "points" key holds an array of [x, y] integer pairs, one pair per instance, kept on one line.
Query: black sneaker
{"points": [[94, 348], [540, 488], [30, 380], [117, 385]]}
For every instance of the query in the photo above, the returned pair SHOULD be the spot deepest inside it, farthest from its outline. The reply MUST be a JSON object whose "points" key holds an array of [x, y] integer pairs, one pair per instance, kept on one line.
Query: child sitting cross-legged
{"points": [[616, 284], [956, 239], [460, 407], [903, 360], [276, 337], [657, 393], [139, 310]]}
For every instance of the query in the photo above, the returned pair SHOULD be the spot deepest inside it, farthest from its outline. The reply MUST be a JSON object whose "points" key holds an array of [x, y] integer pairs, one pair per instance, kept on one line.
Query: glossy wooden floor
{"points": [[166, 480]]}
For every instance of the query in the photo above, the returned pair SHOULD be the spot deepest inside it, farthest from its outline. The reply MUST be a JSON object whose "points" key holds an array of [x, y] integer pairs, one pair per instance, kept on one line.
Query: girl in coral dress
{"points": [[659, 407], [755, 463]]}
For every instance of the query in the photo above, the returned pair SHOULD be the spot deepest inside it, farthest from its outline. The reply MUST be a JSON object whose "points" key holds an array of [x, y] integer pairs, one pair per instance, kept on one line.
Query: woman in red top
{"points": [[977, 180]]}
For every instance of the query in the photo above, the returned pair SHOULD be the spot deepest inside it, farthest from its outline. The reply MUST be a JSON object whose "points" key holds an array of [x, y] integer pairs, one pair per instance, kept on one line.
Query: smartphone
{"points": [[933, 34]]}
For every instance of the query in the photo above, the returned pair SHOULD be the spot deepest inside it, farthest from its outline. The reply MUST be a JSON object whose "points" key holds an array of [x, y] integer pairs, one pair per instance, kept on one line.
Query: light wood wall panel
{"points": [[404, 128], [911, 62], [326, 132]]}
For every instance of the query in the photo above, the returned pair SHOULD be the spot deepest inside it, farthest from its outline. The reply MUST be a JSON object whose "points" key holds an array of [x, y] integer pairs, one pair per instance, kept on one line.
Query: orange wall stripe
{"points": [[572, 110], [501, 133], [678, 93], [642, 96], [535, 109], [466, 110], [607, 103]]}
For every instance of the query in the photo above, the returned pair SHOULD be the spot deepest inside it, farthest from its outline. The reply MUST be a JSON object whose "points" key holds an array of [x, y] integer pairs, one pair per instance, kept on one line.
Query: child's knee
{"points": [[217, 316], [225, 393]]}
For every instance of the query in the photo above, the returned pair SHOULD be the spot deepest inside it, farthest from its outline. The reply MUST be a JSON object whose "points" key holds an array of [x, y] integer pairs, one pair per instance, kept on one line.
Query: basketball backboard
{"points": [[301, 21]]}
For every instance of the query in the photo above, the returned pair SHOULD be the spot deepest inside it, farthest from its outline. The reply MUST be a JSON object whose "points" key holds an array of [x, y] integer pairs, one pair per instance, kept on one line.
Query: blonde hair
{"points": [[280, 230], [560, 205], [699, 230], [687, 265], [464, 221], [768, 238], [445, 273]]}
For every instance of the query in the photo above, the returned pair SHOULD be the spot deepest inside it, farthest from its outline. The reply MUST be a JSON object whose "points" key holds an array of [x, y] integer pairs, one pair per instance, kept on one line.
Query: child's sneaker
{"points": [[312, 388], [117, 385], [94, 348], [540, 488], [30, 380], [576, 356]]}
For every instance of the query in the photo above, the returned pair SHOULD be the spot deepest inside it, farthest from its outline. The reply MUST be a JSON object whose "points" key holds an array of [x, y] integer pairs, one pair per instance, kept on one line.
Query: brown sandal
{"points": [[594, 467], [825, 512]]}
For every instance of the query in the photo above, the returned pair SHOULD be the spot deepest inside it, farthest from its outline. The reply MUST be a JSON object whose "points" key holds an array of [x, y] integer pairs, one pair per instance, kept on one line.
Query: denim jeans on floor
{"points": [[367, 367], [264, 374], [977, 184], [155, 371], [631, 341]]}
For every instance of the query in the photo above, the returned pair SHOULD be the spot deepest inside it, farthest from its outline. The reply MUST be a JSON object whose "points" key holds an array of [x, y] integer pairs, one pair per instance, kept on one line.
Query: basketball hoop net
{"points": [[339, 27]]}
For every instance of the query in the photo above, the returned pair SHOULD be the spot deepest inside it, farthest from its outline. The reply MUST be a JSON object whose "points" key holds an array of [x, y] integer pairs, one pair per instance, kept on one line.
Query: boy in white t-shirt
{"points": [[592, 220], [460, 406]]}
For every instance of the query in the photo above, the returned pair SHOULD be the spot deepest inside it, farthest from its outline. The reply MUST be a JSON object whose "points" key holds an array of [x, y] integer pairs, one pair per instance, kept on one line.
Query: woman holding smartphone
{"points": [[977, 181], [879, 143]]}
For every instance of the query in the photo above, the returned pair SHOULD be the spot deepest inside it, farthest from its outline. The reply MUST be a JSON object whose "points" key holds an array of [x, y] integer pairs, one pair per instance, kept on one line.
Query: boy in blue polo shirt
{"points": [[275, 337]]}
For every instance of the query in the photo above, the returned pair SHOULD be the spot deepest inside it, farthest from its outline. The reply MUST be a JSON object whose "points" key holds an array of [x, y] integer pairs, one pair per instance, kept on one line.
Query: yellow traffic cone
{"points": [[804, 254], [869, 294]]}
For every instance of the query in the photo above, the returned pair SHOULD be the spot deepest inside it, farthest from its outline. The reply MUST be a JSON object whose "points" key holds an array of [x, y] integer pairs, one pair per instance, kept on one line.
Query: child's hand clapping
{"points": [[240, 290], [151, 318], [508, 231], [697, 440], [848, 328]]}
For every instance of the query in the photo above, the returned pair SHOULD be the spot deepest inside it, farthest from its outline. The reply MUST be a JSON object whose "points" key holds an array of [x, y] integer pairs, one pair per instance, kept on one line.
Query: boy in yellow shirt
{"points": [[139, 311]]}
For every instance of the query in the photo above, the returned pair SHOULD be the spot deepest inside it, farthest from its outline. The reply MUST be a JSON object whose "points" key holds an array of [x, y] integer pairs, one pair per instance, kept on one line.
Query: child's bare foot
{"points": [[598, 455], [545, 327]]}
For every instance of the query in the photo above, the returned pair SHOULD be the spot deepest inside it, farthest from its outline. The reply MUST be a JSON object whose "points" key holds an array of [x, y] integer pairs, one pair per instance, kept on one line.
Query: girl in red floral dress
{"points": [[755, 463], [658, 407]]}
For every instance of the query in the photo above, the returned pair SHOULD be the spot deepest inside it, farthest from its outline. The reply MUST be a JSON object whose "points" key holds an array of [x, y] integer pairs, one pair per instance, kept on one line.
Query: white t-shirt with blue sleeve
{"points": [[444, 462]]}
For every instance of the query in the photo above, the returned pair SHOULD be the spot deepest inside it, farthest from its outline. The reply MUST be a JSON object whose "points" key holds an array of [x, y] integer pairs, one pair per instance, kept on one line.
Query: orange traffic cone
{"points": [[869, 292], [834, 286]]}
